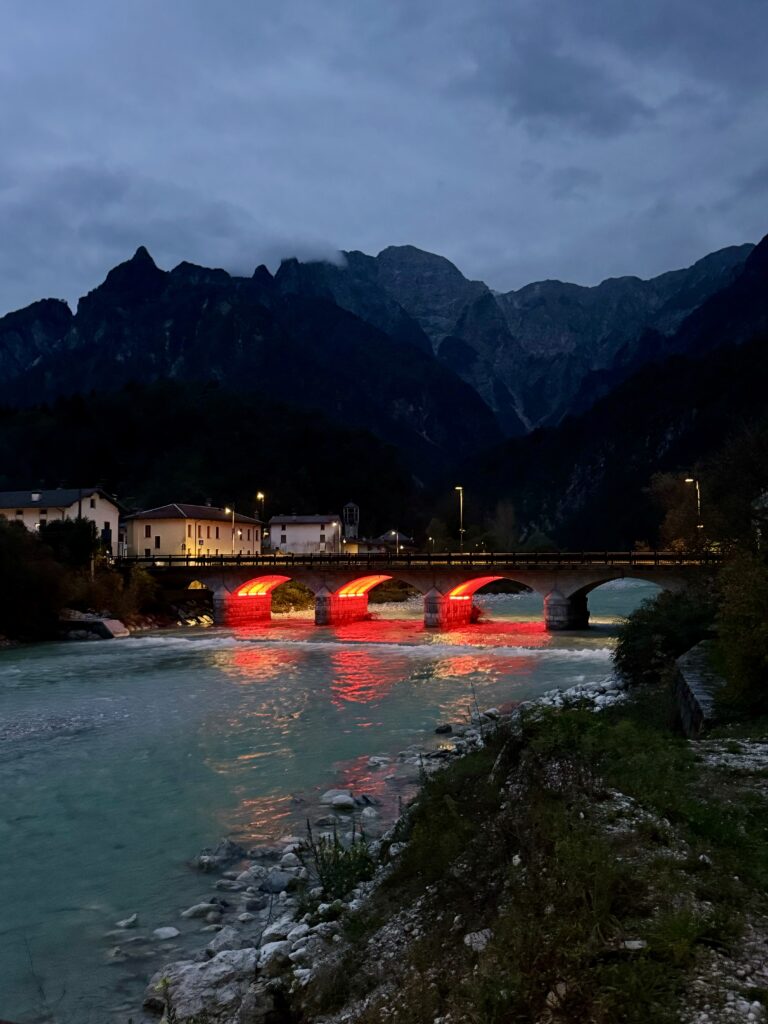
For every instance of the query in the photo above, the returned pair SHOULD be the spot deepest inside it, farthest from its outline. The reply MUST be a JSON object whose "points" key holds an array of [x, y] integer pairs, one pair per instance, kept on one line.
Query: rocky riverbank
{"points": [[268, 918]]}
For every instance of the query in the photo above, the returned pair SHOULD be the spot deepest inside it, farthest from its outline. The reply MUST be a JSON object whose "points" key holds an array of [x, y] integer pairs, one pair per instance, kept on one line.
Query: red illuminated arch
{"points": [[464, 591], [261, 586], [361, 586]]}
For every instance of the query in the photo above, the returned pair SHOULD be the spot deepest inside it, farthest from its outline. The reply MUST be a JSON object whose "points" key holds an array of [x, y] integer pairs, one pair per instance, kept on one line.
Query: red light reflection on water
{"points": [[253, 664], [361, 676]]}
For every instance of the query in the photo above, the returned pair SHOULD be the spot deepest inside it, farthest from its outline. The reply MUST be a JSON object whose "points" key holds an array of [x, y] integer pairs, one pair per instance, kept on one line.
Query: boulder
{"points": [[227, 938], [212, 987], [276, 881], [163, 934], [330, 795], [200, 910], [274, 951], [343, 802]]}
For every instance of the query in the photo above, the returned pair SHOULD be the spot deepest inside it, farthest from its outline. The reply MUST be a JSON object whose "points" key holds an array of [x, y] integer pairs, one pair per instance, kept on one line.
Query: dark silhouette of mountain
{"points": [[585, 481], [534, 354], [192, 324]]}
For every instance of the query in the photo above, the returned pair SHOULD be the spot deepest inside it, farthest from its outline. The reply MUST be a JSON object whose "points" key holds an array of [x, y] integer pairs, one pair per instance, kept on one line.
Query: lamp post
{"points": [[693, 480], [461, 516], [395, 535], [431, 541], [260, 499], [228, 511]]}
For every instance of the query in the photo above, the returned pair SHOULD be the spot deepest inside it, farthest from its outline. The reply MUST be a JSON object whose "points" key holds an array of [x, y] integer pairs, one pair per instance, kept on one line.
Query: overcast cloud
{"points": [[576, 139]]}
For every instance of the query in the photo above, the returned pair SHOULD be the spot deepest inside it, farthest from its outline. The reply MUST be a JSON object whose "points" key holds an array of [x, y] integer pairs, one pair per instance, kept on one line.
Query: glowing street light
{"points": [[228, 511], [260, 499], [461, 516], [693, 480], [397, 538]]}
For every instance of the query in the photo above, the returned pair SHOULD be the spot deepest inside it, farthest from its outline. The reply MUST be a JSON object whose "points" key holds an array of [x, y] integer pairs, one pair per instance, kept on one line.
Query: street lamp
{"points": [[431, 541], [395, 535], [260, 499], [461, 516], [693, 480], [228, 511]]}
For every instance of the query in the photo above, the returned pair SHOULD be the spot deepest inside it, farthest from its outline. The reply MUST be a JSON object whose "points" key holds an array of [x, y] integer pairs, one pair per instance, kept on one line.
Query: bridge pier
{"points": [[241, 609], [443, 612], [562, 612], [338, 609]]}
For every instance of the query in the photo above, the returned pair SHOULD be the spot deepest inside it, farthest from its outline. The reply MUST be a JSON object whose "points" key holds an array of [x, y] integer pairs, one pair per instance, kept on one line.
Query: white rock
{"points": [[209, 987], [634, 944], [330, 795], [369, 814], [298, 932], [128, 922], [227, 938], [163, 934], [477, 941], [290, 860], [277, 930], [199, 910], [273, 949]]}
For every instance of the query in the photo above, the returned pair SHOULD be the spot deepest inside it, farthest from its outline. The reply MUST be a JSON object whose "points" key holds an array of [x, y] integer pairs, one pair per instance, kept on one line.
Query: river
{"points": [[120, 760]]}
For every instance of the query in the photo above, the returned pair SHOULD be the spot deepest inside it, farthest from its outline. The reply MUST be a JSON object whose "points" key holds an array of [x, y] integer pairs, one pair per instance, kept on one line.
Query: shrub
{"points": [[659, 631], [338, 868], [742, 620]]}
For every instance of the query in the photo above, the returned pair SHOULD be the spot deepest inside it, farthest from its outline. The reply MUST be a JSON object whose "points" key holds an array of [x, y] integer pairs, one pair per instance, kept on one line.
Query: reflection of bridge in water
{"points": [[242, 586]]}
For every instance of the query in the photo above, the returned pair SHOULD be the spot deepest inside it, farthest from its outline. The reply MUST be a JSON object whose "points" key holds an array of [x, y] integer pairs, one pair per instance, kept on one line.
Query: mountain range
{"points": [[403, 346]]}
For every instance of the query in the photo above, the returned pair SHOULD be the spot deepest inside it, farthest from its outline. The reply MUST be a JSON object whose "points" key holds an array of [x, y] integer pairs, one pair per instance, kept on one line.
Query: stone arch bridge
{"points": [[242, 586]]}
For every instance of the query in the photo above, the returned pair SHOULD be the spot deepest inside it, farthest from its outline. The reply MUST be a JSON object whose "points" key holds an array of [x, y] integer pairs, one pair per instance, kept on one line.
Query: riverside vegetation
{"points": [[567, 866]]}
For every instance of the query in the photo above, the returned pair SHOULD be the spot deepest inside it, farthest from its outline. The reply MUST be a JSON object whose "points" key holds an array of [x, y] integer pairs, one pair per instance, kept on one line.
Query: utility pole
{"points": [[461, 516]]}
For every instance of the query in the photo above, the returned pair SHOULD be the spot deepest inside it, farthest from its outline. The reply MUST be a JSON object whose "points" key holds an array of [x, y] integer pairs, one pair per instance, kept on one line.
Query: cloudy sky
{"points": [[576, 139]]}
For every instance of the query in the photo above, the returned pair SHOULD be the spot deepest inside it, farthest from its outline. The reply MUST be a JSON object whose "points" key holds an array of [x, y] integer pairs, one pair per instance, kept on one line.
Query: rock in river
{"points": [[210, 987]]}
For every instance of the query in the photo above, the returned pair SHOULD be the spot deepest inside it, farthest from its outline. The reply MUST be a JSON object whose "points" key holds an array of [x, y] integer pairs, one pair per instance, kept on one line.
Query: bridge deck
{"points": [[510, 559]]}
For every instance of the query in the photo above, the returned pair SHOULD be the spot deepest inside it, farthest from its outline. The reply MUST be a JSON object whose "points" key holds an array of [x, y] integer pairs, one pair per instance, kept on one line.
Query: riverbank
{"points": [[557, 865]]}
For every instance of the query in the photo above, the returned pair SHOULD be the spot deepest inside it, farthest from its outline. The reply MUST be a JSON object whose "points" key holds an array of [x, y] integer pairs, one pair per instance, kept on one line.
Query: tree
{"points": [[34, 586], [72, 541]]}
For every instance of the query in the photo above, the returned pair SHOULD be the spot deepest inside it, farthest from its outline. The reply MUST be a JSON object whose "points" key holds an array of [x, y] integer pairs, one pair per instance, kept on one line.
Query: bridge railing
{"points": [[435, 559]]}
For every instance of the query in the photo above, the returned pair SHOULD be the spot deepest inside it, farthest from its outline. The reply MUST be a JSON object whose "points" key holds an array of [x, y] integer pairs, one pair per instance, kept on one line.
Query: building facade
{"points": [[193, 531], [305, 535], [35, 508]]}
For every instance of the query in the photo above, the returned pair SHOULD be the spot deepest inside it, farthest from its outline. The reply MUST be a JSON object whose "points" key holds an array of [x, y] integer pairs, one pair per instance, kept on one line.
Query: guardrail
{"points": [[420, 560]]}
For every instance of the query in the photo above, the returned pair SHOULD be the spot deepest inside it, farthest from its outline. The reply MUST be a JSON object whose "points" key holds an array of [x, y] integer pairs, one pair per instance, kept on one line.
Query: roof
{"points": [[304, 520], [177, 510], [59, 497]]}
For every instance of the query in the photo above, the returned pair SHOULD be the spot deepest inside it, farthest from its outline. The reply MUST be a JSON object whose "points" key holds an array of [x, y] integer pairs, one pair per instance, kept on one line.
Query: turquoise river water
{"points": [[120, 760]]}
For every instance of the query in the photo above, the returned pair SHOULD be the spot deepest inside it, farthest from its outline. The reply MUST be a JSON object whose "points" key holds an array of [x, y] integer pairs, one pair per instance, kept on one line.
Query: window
{"points": [[199, 530], [322, 537], [157, 542], [147, 552], [283, 539], [217, 535], [106, 525], [249, 534], [208, 532], [93, 503], [19, 511], [148, 530], [43, 511], [189, 529]]}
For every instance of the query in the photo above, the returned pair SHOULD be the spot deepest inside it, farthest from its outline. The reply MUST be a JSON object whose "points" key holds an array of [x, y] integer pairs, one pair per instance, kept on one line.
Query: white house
{"points": [[35, 508], [304, 535]]}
